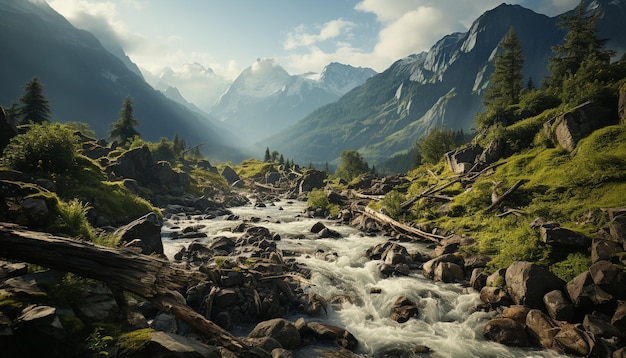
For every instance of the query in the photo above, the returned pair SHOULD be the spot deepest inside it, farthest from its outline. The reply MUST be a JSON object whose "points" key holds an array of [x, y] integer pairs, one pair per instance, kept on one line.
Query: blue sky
{"points": [[229, 35]]}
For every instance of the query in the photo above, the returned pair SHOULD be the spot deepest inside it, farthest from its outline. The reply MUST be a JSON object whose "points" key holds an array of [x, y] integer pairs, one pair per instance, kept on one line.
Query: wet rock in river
{"points": [[506, 331], [403, 309]]}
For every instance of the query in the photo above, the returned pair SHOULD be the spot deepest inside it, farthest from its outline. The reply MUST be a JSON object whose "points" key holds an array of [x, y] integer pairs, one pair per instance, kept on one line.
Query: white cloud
{"points": [[332, 29], [100, 18]]}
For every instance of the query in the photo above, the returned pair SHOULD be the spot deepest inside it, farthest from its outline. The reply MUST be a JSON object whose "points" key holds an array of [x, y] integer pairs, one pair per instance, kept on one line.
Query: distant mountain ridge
{"points": [[441, 87], [265, 98], [86, 83]]}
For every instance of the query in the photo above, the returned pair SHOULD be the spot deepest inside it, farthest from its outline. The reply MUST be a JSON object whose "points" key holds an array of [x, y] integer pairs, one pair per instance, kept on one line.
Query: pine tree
{"points": [[505, 83], [124, 128], [581, 42], [281, 160], [34, 106], [267, 157]]}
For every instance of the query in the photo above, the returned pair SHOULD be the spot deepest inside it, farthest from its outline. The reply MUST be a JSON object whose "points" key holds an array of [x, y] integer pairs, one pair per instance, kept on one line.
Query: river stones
{"points": [[403, 309], [280, 329], [527, 283], [506, 331]]}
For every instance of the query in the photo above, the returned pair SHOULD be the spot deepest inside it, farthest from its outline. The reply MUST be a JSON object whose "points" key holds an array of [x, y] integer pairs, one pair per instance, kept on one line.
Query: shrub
{"points": [[317, 199], [572, 266], [392, 203], [48, 147]]}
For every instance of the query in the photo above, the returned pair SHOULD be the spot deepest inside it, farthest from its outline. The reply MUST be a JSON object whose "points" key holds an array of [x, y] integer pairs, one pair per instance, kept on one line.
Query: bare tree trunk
{"points": [[150, 277]]}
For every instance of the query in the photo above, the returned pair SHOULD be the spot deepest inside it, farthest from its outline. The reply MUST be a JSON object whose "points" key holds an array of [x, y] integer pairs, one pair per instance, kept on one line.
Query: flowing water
{"points": [[447, 323]]}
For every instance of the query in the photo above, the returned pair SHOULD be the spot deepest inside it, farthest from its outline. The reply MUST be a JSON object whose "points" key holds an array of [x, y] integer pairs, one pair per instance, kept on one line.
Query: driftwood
{"points": [[470, 177], [150, 277], [400, 227], [497, 199]]}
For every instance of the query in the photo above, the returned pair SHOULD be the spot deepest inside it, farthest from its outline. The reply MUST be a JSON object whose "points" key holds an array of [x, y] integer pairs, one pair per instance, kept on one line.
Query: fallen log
{"points": [[497, 199], [400, 227], [150, 277]]}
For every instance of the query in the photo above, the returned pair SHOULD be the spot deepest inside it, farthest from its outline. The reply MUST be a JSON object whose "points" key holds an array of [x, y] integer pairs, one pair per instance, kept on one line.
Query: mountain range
{"points": [[310, 118], [265, 99], [439, 88], [86, 83]]}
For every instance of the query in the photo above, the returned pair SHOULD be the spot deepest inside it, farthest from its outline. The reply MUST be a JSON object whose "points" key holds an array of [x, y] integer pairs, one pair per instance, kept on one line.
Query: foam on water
{"points": [[447, 322]]}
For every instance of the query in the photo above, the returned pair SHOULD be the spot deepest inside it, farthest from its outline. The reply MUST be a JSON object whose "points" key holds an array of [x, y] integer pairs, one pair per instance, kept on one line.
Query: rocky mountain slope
{"points": [[86, 83], [441, 87], [265, 98]]}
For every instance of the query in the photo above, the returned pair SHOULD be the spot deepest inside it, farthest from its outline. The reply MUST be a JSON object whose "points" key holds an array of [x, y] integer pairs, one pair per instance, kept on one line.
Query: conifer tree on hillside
{"points": [[267, 157], [124, 129], [505, 84], [34, 106], [581, 44]]}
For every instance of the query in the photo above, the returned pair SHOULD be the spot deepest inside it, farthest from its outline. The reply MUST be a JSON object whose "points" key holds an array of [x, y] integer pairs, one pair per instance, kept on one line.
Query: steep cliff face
{"points": [[442, 87]]}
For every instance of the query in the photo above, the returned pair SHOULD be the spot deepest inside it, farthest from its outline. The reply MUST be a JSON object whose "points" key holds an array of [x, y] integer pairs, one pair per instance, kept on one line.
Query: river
{"points": [[448, 322]]}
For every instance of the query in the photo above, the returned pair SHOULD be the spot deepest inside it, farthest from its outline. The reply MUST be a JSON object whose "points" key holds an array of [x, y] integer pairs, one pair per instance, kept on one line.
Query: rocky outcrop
{"points": [[462, 160], [312, 179], [569, 128], [506, 331], [230, 175], [527, 283], [146, 229], [279, 329]]}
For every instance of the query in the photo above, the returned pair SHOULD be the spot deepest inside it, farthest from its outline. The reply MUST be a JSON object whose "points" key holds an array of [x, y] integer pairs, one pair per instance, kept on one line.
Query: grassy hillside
{"points": [[571, 189]]}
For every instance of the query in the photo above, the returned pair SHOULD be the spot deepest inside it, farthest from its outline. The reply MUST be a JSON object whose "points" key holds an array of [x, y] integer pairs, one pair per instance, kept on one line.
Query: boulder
{"points": [[463, 159], [506, 331], [148, 229], [619, 317], [600, 326], [541, 327], [98, 304], [558, 307], [344, 338], [163, 174], [571, 127], [617, 224], [449, 272], [429, 267], [9, 269], [610, 278], [495, 297], [572, 340], [527, 283], [605, 250], [312, 179], [35, 212], [478, 280], [517, 313], [562, 237], [585, 294], [496, 149], [225, 297], [403, 309], [36, 320], [497, 279], [230, 175], [134, 163], [280, 329], [163, 344]]}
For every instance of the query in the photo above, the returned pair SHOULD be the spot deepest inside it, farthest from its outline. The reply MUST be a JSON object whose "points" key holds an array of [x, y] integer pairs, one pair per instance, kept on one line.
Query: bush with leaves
{"points": [[44, 148], [435, 144], [352, 165]]}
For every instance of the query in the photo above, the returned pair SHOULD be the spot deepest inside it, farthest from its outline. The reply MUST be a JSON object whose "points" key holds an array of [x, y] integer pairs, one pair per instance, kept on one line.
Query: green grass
{"points": [[569, 188], [253, 168]]}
